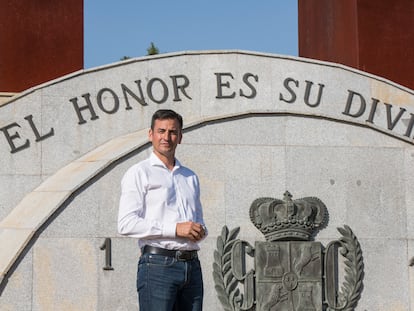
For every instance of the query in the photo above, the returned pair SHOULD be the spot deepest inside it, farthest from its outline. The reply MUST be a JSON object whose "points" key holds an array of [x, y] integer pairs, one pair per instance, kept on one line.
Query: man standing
{"points": [[160, 205]]}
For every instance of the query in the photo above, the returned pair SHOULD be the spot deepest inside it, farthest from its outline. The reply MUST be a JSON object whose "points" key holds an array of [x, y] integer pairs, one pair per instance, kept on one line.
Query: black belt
{"points": [[179, 255]]}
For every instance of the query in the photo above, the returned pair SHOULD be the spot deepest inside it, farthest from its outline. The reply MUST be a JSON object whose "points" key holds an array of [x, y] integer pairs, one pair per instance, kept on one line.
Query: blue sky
{"points": [[114, 29]]}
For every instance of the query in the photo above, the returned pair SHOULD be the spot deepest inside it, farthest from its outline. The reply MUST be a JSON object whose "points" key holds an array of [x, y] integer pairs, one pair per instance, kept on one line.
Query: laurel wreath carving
{"points": [[354, 271], [226, 283]]}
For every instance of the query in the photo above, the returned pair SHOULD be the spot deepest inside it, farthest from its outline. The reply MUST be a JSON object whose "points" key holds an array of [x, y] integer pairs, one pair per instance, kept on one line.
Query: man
{"points": [[160, 205]]}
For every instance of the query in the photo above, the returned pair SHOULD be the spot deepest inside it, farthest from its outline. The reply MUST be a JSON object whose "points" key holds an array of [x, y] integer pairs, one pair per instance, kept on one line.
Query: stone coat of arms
{"points": [[291, 271]]}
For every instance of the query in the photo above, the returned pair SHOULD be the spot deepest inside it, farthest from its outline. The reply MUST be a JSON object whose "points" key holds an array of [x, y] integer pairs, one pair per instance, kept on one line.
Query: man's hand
{"points": [[190, 230]]}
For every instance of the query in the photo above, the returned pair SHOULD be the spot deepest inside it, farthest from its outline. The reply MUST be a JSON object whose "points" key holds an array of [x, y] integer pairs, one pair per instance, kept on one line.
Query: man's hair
{"points": [[163, 114]]}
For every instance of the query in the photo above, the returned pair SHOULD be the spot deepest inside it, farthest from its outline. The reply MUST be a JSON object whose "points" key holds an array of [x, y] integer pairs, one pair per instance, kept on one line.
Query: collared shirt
{"points": [[154, 199]]}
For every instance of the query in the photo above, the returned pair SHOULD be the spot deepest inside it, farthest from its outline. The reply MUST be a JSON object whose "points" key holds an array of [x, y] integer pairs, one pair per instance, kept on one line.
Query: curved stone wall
{"points": [[256, 126]]}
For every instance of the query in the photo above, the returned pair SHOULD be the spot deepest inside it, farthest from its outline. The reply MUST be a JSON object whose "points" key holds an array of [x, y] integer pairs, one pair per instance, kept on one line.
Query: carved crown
{"points": [[286, 219]]}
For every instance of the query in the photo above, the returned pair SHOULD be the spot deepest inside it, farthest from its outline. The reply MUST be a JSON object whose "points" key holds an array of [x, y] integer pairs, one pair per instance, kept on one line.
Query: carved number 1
{"points": [[108, 256]]}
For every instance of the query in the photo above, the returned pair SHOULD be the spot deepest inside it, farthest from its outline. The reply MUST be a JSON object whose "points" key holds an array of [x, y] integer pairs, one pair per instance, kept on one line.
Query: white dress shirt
{"points": [[154, 199]]}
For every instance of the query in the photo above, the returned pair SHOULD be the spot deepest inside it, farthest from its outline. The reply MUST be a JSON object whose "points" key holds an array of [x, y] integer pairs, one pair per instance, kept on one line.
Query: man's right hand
{"points": [[190, 230]]}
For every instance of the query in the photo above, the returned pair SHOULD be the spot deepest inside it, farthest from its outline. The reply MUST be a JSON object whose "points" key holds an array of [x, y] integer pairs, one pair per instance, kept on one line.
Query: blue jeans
{"points": [[167, 284]]}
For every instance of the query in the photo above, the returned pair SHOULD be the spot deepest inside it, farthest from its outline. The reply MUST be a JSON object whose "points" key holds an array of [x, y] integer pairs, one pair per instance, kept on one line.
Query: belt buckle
{"points": [[178, 255], [185, 255]]}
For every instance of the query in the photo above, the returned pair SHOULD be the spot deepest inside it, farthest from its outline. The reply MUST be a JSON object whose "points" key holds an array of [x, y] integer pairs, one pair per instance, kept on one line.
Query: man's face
{"points": [[165, 137]]}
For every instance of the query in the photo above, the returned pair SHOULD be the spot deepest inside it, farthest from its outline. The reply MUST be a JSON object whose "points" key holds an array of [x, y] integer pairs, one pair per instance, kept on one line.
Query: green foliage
{"points": [[152, 50]]}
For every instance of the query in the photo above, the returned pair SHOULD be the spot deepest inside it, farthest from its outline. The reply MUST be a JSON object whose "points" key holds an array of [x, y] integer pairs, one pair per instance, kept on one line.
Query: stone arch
{"points": [[19, 228]]}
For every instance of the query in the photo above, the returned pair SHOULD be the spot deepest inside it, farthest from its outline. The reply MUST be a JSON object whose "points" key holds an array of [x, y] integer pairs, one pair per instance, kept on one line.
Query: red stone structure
{"points": [[42, 40], [373, 36], [39, 41]]}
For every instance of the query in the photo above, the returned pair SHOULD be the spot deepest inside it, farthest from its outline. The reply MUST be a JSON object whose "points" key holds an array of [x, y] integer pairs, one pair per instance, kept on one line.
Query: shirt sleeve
{"points": [[199, 209], [131, 221]]}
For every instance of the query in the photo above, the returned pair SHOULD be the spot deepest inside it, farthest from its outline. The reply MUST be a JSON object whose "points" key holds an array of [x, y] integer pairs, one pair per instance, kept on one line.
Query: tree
{"points": [[152, 50]]}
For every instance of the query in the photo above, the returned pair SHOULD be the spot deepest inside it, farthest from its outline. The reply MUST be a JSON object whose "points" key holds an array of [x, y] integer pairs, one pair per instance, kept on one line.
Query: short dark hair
{"points": [[163, 114]]}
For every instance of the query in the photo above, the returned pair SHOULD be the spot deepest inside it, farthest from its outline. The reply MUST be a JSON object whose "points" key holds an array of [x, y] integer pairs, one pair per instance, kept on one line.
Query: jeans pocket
{"points": [[159, 260]]}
